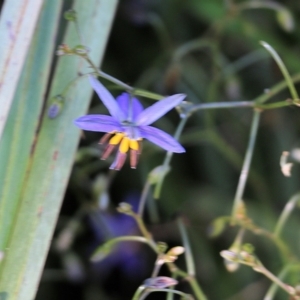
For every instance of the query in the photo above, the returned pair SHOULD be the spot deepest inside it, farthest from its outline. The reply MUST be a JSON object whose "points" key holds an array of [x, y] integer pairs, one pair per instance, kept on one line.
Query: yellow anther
{"points": [[124, 146], [134, 145], [116, 139]]}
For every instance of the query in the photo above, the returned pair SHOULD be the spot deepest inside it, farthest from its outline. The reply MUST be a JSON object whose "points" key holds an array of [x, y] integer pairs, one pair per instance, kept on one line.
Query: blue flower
{"points": [[128, 124]]}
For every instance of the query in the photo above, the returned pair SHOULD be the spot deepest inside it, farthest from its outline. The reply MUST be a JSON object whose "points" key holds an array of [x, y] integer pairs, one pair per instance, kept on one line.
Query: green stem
{"points": [[145, 232], [108, 77], [194, 45], [217, 105], [190, 264], [246, 165], [289, 289], [196, 289], [152, 290], [283, 69], [259, 4], [275, 90], [144, 197], [274, 287], [279, 104], [285, 214], [168, 158], [138, 293]]}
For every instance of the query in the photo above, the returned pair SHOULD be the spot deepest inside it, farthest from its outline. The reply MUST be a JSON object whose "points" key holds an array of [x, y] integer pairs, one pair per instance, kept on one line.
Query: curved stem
{"points": [[190, 264], [259, 4], [148, 291], [285, 214], [108, 77], [246, 165], [144, 197], [283, 69], [218, 105]]}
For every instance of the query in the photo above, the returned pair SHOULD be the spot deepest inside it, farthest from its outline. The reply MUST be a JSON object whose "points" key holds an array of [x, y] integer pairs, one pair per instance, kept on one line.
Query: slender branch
{"points": [[283, 69], [108, 77], [246, 165], [285, 214], [218, 105], [143, 199]]}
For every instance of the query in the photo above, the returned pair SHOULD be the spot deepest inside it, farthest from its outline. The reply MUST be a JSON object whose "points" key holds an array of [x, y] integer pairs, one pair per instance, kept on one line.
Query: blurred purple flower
{"points": [[128, 124]]}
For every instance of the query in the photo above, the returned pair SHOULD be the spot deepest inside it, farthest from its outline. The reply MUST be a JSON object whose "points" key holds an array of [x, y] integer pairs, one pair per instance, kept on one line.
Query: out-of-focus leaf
{"points": [[17, 24], [218, 225], [285, 20], [19, 135], [46, 167]]}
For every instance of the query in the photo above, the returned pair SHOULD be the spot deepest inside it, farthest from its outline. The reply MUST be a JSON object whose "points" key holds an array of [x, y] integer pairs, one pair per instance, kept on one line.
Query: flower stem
{"points": [[116, 81], [283, 69], [145, 232], [289, 289], [168, 157], [217, 105], [190, 264], [285, 214], [274, 287], [144, 198], [246, 165]]}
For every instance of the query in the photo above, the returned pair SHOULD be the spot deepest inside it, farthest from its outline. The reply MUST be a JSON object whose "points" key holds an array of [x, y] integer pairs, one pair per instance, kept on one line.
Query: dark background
{"points": [[146, 35]]}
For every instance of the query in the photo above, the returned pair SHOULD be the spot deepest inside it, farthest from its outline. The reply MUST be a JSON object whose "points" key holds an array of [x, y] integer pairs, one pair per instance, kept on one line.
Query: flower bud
{"points": [[286, 20], [56, 104], [81, 50], [160, 282], [64, 49], [125, 208], [70, 15]]}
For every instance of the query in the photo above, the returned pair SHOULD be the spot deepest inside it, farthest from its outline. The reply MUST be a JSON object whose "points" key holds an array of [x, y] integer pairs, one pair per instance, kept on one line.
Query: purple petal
{"points": [[124, 101], [99, 123], [158, 109], [107, 99], [161, 139]]}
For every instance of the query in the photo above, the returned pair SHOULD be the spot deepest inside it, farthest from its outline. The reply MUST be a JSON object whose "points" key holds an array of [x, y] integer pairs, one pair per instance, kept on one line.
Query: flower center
{"points": [[125, 142], [127, 123]]}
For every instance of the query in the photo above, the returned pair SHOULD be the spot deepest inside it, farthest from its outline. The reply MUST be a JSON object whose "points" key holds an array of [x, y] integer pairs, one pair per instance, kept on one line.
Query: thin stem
{"points": [[285, 214], [259, 4], [283, 69], [145, 232], [144, 198], [152, 290], [190, 264], [246, 165], [108, 77], [279, 104], [191, 280], [168, 157], [218, 105], [138, 292], [275, 90], [157, 267], [196, 289], [274, 287], [289, 289], [194, 45]]}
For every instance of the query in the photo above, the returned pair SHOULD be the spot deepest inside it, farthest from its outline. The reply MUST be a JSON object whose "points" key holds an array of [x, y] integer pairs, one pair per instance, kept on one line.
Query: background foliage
{"points": [[227, 63]]}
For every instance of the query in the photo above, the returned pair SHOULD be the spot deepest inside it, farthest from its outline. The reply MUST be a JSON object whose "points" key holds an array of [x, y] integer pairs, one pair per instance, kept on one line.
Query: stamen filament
{"points": [[133, 158], [108, 150], [105, 138]]}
